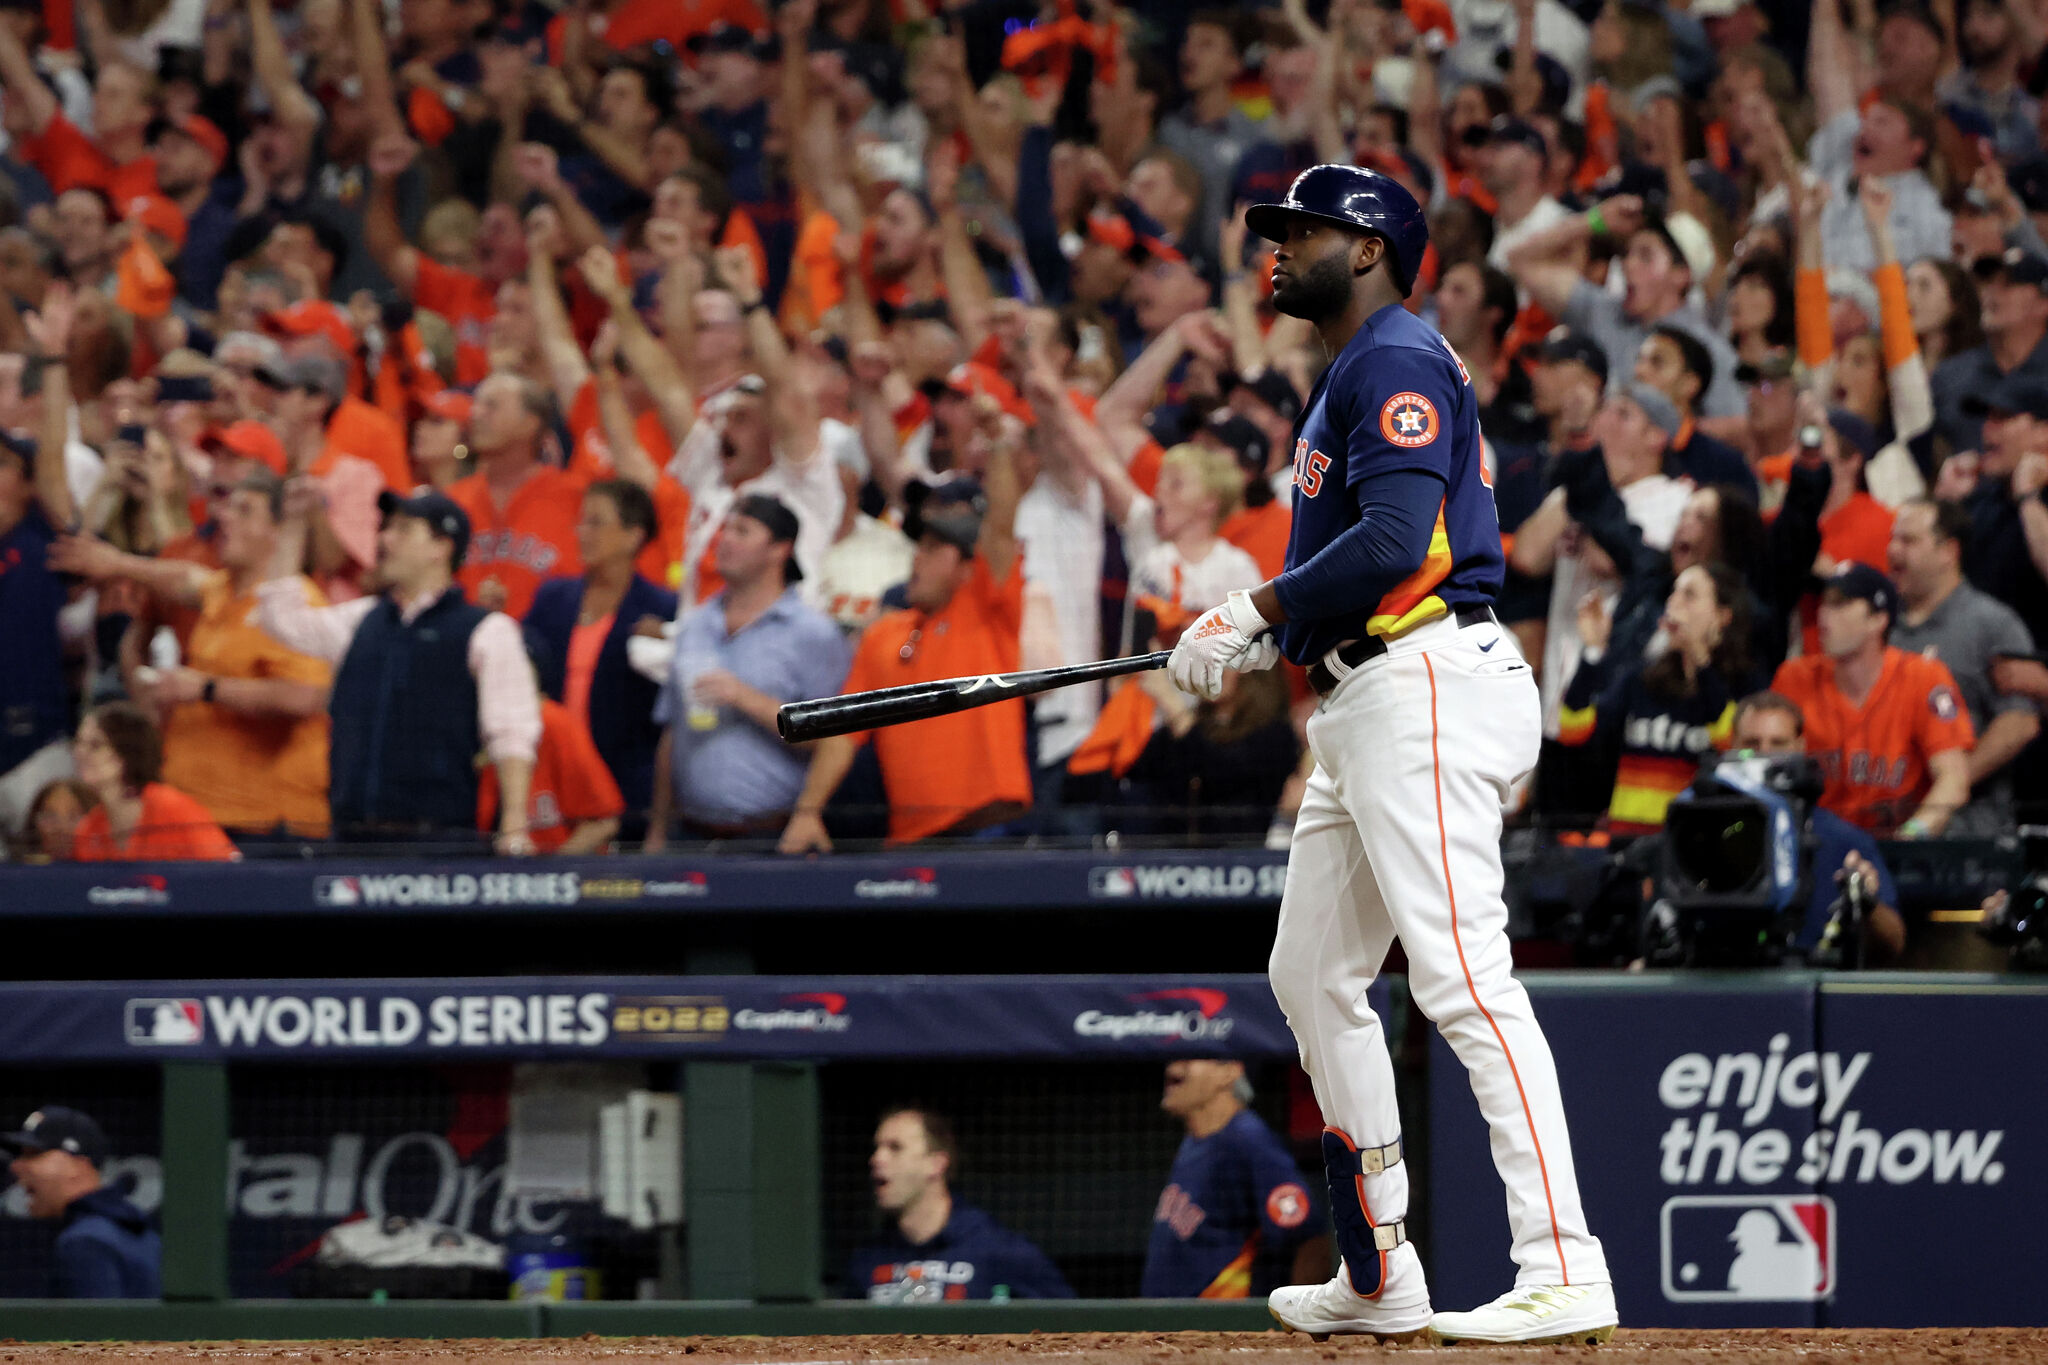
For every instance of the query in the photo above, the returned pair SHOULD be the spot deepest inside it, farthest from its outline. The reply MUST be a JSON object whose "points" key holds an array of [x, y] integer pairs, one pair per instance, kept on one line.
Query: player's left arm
{"points": [[1287, 1211], [1397, 466]]}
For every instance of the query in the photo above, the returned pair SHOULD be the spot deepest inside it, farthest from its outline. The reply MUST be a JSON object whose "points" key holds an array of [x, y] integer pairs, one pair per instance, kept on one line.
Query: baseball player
{"points": [[1234, 1214], [1429, 717]]}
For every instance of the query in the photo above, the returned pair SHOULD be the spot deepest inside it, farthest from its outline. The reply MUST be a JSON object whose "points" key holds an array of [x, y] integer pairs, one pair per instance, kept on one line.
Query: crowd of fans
{"points": [[473, 415]]}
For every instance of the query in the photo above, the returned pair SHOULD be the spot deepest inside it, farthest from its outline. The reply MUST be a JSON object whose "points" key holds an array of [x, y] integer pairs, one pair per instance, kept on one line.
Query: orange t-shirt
{"points": [[586, 642], [250, 771], [661, 561], [570, 782], [533, 540], [1874, 757], [1261, 532], [939, 771], [467, 304], [369, 433], [68, 159], [1857, 532], [173, 828], [156, 611]]}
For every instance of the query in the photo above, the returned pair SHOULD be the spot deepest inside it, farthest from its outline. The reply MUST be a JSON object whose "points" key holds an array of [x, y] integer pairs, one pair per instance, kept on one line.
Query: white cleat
{"points": [[1333, 1309], [1582, 1314]]}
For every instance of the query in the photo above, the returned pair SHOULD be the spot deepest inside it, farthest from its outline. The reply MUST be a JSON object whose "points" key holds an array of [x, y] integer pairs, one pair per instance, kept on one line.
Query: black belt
{"points": [[1371, 647]]}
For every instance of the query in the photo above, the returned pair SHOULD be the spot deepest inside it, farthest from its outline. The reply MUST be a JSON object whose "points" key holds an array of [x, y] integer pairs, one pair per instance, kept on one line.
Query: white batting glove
{"points": [[1232, 637]]}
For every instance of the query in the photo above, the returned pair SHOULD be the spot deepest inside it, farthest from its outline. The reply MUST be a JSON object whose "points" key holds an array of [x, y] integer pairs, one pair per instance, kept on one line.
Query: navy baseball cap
{"points": [[1563, 345], [2013, 266], [53, 1128], [439, 511], [1508, 128], [1240, 437], [1854, 430], [2018, 392], [1861, 583], [1275, 390], [951, 510]]}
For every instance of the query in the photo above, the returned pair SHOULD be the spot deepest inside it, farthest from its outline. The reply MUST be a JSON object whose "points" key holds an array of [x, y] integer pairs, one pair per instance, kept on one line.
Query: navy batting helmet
{"points": [[1355, 198]]}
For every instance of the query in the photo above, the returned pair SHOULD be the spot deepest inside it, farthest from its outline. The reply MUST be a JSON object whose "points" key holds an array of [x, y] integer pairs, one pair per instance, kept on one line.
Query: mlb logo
{"points": [[165, 1023], [1728, 1248], [1111, 881], [337, 891]]}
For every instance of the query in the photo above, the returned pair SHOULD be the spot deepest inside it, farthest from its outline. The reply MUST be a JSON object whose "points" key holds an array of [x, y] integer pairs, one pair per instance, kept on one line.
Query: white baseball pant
{"points": [[1399, 836]]}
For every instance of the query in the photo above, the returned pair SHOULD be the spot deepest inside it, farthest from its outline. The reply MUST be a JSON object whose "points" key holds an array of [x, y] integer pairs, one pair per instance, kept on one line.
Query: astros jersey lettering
{"points": [[1396, 398], [1233, 1210], [971, 1255]]}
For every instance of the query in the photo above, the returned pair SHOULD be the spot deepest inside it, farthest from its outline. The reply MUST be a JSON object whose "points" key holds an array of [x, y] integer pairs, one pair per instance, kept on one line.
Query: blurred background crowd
{"points": [[464, 422]]}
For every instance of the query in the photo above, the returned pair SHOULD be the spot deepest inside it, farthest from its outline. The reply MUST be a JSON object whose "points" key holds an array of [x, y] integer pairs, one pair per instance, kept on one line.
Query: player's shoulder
{"points": [[1246, 1131], [1397, 348]]}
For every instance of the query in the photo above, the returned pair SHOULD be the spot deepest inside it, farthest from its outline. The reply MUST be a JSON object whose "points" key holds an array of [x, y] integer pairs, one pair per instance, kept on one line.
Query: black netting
{"points": [[1071, 1155], [315, 1146]]}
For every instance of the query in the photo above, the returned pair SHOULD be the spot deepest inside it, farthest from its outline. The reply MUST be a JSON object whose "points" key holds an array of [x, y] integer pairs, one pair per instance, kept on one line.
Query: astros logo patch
{"points": [[1408, 419], [1287, 1206]]}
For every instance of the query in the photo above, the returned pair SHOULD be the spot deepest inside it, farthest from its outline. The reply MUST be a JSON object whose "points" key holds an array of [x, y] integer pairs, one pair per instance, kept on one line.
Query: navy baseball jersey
{"points": [[971, 1255], [1395, 401], [1233, 1210]]}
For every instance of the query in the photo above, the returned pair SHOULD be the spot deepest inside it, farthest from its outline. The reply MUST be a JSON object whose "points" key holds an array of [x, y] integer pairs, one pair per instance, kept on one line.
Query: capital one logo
{"points": [[1725, 1248]]}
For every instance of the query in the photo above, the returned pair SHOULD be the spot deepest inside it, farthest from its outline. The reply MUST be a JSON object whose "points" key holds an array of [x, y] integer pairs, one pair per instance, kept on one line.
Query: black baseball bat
{"points": [[800, 722]]}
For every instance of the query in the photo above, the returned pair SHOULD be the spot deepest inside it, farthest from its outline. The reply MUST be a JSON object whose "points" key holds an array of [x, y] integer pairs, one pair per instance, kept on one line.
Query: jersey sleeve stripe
{"points": [[1414, 600]]}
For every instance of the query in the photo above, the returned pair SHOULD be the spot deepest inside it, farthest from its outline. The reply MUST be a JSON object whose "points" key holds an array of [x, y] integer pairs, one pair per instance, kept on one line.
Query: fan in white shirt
{"points": [[763, 434]]}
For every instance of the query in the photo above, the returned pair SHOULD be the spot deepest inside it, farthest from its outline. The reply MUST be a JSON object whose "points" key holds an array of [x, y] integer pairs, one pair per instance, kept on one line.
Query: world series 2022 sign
{"points": [[1779, 1150], [578, 1018]]}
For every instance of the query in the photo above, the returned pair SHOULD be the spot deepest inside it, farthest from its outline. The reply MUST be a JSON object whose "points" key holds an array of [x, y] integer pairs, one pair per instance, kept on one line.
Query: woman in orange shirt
{"points": [[119, 754]]}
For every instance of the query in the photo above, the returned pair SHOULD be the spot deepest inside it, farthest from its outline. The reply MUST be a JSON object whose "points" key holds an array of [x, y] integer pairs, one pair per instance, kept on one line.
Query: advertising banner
{"points": [[974, 880], [652, 1018], [1765, 1151]]}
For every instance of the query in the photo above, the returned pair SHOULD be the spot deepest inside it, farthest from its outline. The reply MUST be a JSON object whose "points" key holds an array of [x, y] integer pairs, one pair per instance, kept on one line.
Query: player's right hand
{"points": [[805, 833], [1231, 638]]}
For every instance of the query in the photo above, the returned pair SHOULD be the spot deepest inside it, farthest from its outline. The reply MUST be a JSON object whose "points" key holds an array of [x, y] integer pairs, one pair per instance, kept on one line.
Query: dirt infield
{"points": [[1950, 1346]]}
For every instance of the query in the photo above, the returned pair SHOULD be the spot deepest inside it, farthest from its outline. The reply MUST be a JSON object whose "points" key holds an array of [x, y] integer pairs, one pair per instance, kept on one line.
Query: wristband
{"points": [[1913, 829], [756, 306], [206, 692], [1596, 221]]}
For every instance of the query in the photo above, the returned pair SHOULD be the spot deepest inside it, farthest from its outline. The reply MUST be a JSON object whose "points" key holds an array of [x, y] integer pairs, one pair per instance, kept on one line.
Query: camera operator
{"points": [[1770, 723]]}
